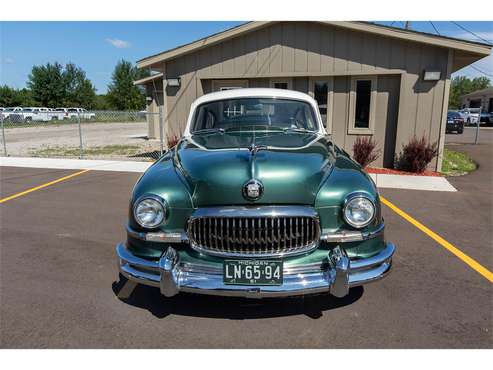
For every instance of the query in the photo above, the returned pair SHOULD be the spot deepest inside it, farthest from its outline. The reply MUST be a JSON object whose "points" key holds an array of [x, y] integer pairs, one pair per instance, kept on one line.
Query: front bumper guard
{"points": [[172, 276]]}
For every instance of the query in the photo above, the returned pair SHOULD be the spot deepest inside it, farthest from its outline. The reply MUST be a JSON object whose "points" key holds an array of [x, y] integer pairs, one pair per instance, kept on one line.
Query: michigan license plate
{"points": [[252, 272]]}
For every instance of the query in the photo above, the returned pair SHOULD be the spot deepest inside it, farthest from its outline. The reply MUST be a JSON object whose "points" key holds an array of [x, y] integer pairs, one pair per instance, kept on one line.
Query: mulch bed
{"points": [[389, 171]]}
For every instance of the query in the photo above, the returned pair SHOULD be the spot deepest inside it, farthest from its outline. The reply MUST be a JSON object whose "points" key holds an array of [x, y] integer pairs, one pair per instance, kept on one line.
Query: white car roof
{"points": [[255, 93]]}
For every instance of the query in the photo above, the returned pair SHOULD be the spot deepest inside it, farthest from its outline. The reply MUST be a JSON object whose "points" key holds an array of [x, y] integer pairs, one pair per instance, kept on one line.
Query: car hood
{"points": [[291, 168]]}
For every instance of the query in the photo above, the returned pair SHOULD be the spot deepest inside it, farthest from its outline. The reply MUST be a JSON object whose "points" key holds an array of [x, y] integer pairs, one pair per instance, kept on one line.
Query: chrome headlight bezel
{"points": [[157, 200], [351, 199]]}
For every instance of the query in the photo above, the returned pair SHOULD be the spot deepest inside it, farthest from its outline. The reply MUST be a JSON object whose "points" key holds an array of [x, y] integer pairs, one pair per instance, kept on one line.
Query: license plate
{"points": [[252, 272]]}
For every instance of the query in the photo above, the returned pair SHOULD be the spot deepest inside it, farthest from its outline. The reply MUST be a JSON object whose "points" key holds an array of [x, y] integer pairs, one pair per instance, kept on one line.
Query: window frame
{"points": [[235, 84], [330, 99], [289, 81], [352, 130]]}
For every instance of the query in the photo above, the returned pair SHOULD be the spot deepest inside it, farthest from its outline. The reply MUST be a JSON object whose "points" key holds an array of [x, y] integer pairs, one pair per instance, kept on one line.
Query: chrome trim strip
{"points": [[255, 211], [352, 236], [293, 253], [172, 276], [158, 236]]}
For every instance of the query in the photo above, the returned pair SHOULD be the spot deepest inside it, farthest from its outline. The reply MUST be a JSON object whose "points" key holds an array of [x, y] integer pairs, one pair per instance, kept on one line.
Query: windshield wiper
{"points": [[208, 131], [291, 129]]}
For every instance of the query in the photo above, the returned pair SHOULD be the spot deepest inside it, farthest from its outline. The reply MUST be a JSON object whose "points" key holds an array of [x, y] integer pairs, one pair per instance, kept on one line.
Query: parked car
{"points": [[486, 118], [13, 114], [73, 113], [455, 122], [255, 200], [43, 114], [29, 113], [8, 111], [470, 115], [60, 113]]}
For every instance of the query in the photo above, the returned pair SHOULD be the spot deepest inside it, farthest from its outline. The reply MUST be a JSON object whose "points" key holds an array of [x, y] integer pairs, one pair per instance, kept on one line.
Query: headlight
{"points": [[150, 211], [358, 210]]}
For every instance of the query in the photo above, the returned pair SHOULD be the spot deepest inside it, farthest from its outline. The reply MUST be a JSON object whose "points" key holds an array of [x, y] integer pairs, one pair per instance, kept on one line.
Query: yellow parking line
{"points": [[451, 248], [3, 200]]}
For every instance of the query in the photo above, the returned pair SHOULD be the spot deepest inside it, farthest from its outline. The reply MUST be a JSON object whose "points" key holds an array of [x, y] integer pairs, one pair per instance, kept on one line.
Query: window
{"points": [[362, 101], [281, 85], [222, 85], [321, 95], [254, 114], [285, 84], [321, 89]]}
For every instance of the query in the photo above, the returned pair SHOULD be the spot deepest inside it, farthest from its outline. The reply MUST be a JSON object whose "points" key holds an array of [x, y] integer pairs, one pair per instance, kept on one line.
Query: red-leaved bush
{"points": [[364, 150], [416, 155], [173, 140]]}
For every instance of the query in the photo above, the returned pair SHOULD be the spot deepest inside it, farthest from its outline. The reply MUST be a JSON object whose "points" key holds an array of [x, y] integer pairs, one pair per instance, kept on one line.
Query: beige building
{"points": [[480, 98], [367, 79]]}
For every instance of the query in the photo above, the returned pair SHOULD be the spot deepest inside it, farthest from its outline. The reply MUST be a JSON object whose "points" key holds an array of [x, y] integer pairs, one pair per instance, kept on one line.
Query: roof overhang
{"points": [[471, 51], [483, 92], [151, 78]]}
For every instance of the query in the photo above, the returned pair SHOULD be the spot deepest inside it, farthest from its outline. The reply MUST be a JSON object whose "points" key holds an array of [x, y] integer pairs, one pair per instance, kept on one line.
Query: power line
{"points": [[472, 33], [438, 33], [480, 71]]}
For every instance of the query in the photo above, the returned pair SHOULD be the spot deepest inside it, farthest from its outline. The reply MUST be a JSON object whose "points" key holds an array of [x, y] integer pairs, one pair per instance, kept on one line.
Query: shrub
{"points": [[416, 155], [364, 151], [173, 140]]}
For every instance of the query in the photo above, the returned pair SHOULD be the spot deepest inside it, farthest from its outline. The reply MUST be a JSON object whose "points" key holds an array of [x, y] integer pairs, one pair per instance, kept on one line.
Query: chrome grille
{"points": [[260, 231]]}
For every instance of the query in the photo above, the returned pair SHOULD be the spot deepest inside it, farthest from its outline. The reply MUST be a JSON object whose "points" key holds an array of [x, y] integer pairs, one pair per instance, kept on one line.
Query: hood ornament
{"points": [[253, 188]]}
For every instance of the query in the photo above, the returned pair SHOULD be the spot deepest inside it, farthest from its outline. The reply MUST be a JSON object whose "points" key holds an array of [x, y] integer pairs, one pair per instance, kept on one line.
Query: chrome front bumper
{"points": [[335, 276]]}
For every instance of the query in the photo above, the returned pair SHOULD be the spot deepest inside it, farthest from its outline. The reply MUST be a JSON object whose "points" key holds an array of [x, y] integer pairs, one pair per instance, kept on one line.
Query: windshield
{"points": [[248, 113]]}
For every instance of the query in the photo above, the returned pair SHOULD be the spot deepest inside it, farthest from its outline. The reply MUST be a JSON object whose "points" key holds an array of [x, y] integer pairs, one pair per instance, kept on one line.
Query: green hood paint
{"points": [[296, 168], [216, 168]]}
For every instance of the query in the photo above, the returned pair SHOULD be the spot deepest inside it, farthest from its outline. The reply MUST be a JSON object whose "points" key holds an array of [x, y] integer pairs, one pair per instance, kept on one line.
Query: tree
{"points": [[79, 91], [122, 93], [10, 97], [102, 103], [53, 85], [462, 85]]}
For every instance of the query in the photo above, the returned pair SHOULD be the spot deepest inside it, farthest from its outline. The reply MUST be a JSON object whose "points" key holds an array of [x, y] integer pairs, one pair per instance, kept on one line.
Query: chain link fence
{"points": [[77, 133]]}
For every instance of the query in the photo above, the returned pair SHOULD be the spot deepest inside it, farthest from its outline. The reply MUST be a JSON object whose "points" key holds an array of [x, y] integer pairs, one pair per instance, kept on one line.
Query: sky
{"points": [[97, 46]]}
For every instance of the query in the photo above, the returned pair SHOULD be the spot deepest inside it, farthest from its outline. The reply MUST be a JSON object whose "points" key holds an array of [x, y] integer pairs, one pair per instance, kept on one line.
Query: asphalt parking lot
{"points": [[58, 271]]}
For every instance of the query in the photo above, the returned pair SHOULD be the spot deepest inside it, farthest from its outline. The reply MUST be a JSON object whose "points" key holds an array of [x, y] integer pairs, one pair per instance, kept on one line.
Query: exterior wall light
{"points": [[173, 82], [431, 75]]}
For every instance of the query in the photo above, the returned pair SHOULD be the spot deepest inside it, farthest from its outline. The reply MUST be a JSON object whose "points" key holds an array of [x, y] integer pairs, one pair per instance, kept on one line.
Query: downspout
{"points": [[443, 120]]}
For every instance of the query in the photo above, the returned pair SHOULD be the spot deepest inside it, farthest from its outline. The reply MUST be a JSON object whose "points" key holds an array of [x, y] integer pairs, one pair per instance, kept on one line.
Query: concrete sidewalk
{"points": [[429, 183]]}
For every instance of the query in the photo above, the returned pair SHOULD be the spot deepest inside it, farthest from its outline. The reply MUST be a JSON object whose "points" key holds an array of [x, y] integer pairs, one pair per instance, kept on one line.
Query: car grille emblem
{"points": [[253, 190]]}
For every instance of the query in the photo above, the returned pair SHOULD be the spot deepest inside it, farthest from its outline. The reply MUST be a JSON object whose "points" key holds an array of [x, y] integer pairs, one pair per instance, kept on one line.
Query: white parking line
{"points": [[75, 164]]}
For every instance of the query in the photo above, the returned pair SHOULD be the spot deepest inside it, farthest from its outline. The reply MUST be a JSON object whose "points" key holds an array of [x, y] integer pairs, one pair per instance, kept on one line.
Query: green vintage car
{"points": [[255, 201]]}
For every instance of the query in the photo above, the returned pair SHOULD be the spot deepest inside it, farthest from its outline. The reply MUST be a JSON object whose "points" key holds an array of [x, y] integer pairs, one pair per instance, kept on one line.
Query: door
{"points": [[221, 85]]}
